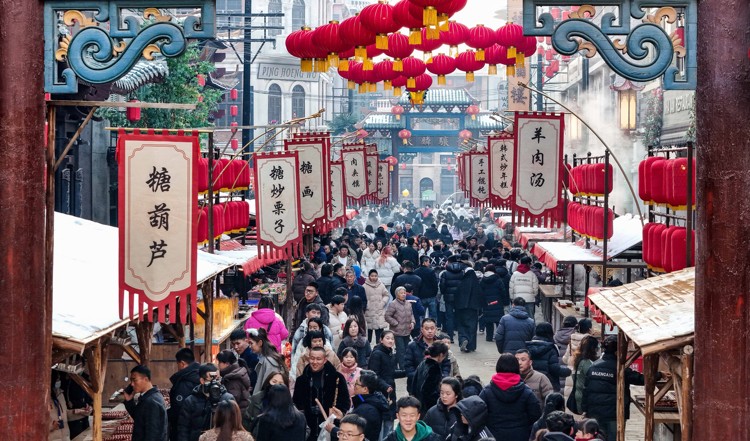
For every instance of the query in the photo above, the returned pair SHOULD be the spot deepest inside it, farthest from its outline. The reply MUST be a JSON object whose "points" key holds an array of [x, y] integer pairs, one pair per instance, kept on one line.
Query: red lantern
{"points": [[472, 111], [386, 73], [356, 34], [677, 181], [378, 18], [233, 110], [398, 84], [454, 36], [404, 16], [430, 16], [555, 13], [362, 134], [495, 55], [510, 36], [441, 66], [202, 175], [235, 144], [565, 15], [480, 38], [644, 179], [329, 39], [465, 135], [656, 252], [201, 80], [202, 225], [392, 160], [413, 67], [312, 51], [372, 52], [398, 49], [397, 110], [233, 124], [404, 135], [678, 249], [233, 94], [295, 48], [467, 62], [658, 188], [448, 10], [527, 49], [133, 113], [421, 84], [428, 44]]}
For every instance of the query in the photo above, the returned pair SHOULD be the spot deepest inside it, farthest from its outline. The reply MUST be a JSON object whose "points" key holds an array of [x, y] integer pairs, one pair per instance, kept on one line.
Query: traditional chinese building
{"points": [[427, 166]]}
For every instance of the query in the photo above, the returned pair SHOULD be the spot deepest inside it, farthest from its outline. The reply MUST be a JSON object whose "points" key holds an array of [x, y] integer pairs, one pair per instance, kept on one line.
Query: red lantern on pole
{"points": [[133, 113], [233, 94], [413, 67], [454, 36], [441, 66], [430, 16], [510, 36], [233, 110], [472, 111], [404, 16], [378, 18], [356, 34], [404, 135], [398, 49], [480, 38], [467, 62], [397, 111]]}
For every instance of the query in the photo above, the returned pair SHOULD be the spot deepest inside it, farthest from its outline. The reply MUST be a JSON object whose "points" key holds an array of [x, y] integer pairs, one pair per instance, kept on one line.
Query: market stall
{"points": [[529, 236], [656, 321]]}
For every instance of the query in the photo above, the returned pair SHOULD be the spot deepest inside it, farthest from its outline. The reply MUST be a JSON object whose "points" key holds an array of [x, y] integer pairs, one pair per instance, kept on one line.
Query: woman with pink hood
{"points": [[512, 407], [265, 317]]}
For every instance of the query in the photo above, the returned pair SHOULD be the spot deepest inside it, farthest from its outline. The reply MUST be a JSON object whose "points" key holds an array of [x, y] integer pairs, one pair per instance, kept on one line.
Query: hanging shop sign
{"points": [[538, 176], [313, 157], [502, 155], [384, 182], [355, 174], [158, 200], [480, 179], [372, 175], [277, 205], [337, 203]]}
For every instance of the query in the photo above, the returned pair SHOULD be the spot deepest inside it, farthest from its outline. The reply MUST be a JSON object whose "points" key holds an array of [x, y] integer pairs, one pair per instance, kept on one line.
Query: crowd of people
{"points": [[388, 298]]}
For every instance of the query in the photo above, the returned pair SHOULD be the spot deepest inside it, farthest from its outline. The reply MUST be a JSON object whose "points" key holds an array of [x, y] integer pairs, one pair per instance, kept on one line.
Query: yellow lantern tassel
{"points": [[443, 22], [333, 59], [479, 55], [398, 91], [428, 57], [398, 117], [512, 52], [411, 82], [510, 71], [360, 52], [473, 117], [492, 70], [433, 33], [367, 64], [387, 85], [352, 85], [306, 65], [344, 65], [441, 80], [406, 141], [373, 87], [322, 64], [362, 88], [520, 59], [398, 65], [415, 36], [381, 41], [470, 77], [429, 16]]}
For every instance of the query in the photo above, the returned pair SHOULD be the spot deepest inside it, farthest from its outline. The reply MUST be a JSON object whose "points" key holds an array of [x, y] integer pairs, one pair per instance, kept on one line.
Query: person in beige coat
{"points": [[400, 318], [315, 339], [377, 300], [583, 329]]}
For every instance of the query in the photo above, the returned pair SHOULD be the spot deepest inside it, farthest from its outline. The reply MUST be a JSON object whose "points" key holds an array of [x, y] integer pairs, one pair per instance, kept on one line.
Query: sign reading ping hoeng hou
{"points": [[277, 205], [158, 209], [537, 189]]}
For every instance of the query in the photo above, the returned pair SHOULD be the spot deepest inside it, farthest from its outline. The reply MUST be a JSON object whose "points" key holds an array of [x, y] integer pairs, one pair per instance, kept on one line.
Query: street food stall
{"points": [[655, 320]]}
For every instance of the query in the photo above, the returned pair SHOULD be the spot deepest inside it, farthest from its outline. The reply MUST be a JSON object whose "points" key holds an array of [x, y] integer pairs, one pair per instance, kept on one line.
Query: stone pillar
{"points": [[25, 326], [722, 384]]}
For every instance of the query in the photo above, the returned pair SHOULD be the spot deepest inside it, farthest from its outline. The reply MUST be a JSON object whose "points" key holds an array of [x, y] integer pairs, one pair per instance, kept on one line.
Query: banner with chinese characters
{"points": [[519, 98], [384, 182], [480, 179], [502, 153], [337, 204], [277, 205], [158, 211], [313, 156], [372, 176], [538, 169], [355, 174]]}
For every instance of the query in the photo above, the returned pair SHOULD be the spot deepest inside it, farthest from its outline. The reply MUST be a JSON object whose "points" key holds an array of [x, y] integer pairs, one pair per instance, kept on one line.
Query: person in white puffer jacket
{"points": [[524, 284]]}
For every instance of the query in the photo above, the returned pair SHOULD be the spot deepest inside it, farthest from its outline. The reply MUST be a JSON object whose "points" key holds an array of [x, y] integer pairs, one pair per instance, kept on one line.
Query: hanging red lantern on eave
{"points": [[467, 62], [480, 38], [405, 135], [465, 135], [398, 49], [379, 19], [397, 111], [441, 66], [234, 94], [404, 15], [472, 111]]}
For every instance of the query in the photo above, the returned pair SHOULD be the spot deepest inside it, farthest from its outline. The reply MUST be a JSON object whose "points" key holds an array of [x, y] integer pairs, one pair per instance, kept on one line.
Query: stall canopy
{"points": [[657, 313], [85, 300], [627, 233]]}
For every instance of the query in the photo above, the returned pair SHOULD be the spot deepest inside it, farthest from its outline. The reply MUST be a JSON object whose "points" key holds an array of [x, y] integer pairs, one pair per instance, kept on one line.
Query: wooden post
{"points": [[144, 331], [96, 357], [622, 352], [208, 336], [686, 418], [650, 367]]}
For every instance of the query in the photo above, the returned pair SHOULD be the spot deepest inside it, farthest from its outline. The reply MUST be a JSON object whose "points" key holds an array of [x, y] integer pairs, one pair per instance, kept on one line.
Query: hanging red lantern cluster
{"points": [[589, 179], [664, 181], [237, 176], [231, 217], [588, 220], [665, 248]]}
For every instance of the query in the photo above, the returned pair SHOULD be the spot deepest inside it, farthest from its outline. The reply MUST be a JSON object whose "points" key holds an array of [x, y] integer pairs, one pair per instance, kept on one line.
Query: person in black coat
{"points": [[514, 329], [443, 415], [416, 349], [432, 233], [383, 363], [445, 235], [474, 412], [407, 252], [325, 283], [511, 406], [545, 355], [467, 305], [280, 419], [320, 381], [492, 289], [198, 409], [183, 382], [354, 289], [426, 382], [600, 390], [429, 288], [407, 277], [450, 286], [502, 270], [150, 413], [369, 404]]}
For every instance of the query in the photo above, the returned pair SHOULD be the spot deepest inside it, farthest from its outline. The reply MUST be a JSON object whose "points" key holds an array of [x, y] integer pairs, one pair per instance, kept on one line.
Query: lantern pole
{"points": [[622, 170]]}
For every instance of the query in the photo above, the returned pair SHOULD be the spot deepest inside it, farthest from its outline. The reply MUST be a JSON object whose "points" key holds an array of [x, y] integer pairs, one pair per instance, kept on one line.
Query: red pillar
{"points": [[722, 360], [25, 323]]}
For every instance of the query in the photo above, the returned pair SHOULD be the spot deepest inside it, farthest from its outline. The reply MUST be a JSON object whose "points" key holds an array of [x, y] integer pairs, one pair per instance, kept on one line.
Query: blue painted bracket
{"points": [[644, 41], [105, 49]]}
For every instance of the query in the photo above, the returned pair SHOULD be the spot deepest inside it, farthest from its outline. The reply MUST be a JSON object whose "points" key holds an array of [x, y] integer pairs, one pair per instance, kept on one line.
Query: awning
{"points": [[524, 235], [657, 313], [628, 232]]}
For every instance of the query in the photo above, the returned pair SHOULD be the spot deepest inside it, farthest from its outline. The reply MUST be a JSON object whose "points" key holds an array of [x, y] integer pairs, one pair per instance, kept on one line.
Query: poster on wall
{"points": [[158, 210], [502, 154], [538, 169]]}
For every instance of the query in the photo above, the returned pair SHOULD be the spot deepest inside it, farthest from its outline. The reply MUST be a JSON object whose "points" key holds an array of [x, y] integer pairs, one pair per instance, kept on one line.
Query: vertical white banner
{"points": [[502, 156], [313, 159], [278, 216], [372, 176], [337, 202], [355, 174], [384, 181], [480, 176]]}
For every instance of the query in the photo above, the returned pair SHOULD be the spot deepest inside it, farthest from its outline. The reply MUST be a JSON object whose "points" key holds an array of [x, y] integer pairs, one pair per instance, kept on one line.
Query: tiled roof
{"points": [[383, 121], [484, 122], [443, 97]]}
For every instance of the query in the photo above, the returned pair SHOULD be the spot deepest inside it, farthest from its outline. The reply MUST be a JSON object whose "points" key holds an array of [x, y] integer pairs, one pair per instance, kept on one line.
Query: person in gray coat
{"points": [[514, 329]]}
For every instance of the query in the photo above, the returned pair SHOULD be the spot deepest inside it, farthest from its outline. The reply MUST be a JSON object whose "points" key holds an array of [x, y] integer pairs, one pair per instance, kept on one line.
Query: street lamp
{"points": [[628, 109]]}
